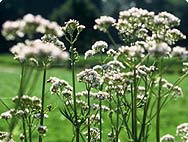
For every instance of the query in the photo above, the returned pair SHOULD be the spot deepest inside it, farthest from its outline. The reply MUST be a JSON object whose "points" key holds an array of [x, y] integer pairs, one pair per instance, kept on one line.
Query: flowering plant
{"points": [[128, 83]]}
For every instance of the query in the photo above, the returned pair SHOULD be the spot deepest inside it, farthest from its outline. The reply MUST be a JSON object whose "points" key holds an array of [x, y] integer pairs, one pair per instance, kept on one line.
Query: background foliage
{"points": [[85, 11]]}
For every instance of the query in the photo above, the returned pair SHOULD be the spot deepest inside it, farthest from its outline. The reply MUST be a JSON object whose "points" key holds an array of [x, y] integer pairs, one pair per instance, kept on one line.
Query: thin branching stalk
{"points": [[142, 135], [100, 117], [74, 94], [42, 101], [134, 106], [159, 104], [24, 129], [20, 93], [117, 118], [100, 104], [30, 129], [112, 40], [89, 113]]}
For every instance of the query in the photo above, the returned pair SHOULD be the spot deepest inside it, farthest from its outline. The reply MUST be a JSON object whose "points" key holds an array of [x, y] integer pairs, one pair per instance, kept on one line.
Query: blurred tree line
{"points": [[85, 11]]}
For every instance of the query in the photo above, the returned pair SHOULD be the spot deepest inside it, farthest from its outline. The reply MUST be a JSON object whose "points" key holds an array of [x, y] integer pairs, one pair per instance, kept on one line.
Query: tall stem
{"points": [[158, 114], [134, 107], [74, 94], [24, 129], [100, 114], [42, 101], [112, 40], [142, 136], [30, 129], [89, 107], [117, 118], [159, 104]]}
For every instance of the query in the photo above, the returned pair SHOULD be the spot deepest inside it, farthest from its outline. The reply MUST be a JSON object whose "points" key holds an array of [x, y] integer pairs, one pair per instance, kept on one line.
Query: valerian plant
{"points": [[126, 90]]}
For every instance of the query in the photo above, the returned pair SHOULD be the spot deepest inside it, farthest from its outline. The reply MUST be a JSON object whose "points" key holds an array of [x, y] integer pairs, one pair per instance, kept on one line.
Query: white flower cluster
{"points": [[7, 115], [167, 19], [155, 48], [60, 87], [5, 137], [97, 107], [167, 138], [94, 133], [179, 52], [114, 65], [144, 70], [42, 129], [48, 38], [103, 23], [132, 51], [97, 47], [30, 25], [89, 76], [136, 13], [27, 101], [185, 67], [38, 51], [71, 26], [132, 20], [111, 52], [182, 131]]}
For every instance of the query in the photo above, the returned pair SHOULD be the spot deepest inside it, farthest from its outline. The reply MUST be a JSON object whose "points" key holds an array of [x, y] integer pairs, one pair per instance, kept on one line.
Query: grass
{"points": [[59, 129]]}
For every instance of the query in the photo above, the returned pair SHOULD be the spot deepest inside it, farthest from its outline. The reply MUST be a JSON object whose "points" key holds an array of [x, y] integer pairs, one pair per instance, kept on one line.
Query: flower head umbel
{"points": [[103, 23], [179, 52], [39, 52], [97, 47], [30, 25], [72, 29], [167, 19], [182, 131], [167, 138], [48, 38], [155, 48], [89, 76], [132, 51]]}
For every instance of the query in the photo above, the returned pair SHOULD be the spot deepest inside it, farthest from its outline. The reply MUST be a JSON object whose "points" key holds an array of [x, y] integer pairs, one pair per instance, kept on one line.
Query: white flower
{"points": [[182, 130], [158, 48], [89, 53], [103, 23], [97, 47], [20, 28], [135, 12], [111, 52], [166, 19], [167, 138], [179, 52], [89, 76], [132, 51], [29, 18], [6, 115], [39, 51]]}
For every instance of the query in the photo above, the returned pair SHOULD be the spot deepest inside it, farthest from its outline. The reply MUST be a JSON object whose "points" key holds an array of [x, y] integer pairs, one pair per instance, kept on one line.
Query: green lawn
{"points": [[59, 129]]}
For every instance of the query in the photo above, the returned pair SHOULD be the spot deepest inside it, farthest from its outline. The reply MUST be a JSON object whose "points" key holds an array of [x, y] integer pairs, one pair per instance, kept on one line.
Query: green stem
{"points": [[30, 129], [159, 104], [100, 113], [74, 94], [42, 101], [89, 108], [158, 120], [134, 107], [142, 136], [117, 118], [24, 129], [112, 40]]}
